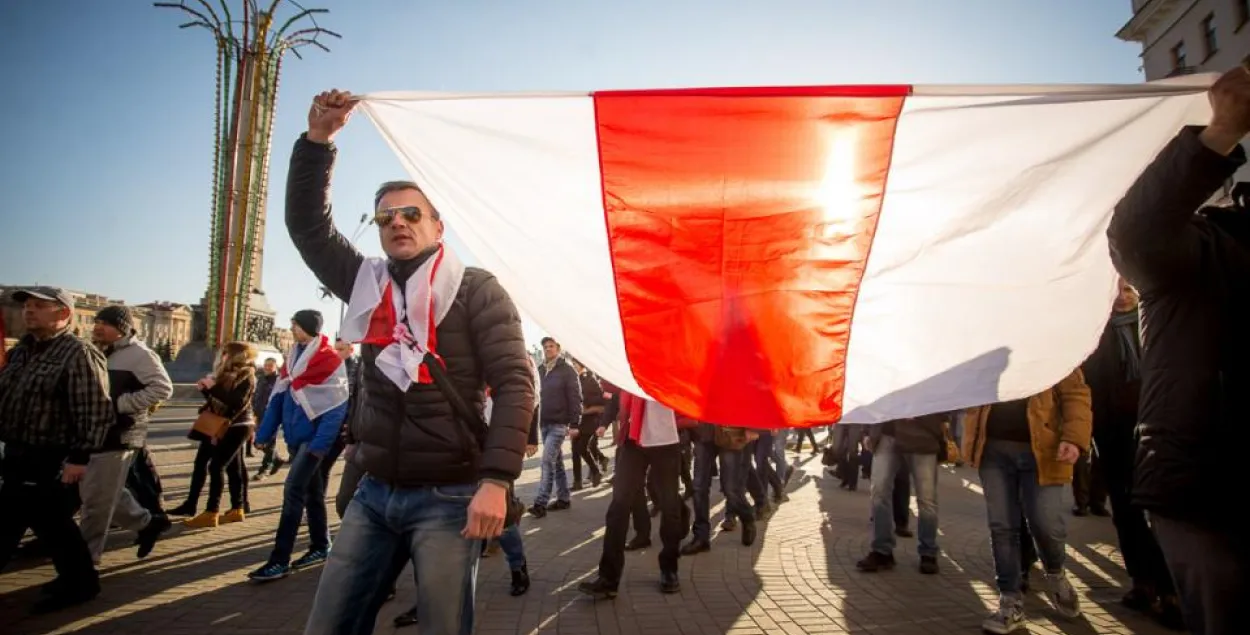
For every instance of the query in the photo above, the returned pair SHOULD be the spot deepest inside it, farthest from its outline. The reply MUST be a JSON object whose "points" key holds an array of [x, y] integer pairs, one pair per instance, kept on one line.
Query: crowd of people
{"points": [[438, 412]]}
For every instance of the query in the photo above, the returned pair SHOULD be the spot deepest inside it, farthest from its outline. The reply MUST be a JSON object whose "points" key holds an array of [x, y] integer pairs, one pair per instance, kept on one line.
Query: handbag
{"points": [[949, 453], [467, 417], [213, 426]]}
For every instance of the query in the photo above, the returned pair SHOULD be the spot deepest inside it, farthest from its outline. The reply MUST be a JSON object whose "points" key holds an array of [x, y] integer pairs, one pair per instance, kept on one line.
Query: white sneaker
{"points": [[1007, 619], [1060, 592]]}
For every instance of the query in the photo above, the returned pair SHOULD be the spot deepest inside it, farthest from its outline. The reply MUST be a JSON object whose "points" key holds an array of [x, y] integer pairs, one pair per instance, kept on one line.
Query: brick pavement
{"points": [[800, 576]]}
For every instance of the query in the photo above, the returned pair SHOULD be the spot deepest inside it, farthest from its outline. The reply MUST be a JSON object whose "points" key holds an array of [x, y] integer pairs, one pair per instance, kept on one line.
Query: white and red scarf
{"points": [[403, 324], [316, 378]]}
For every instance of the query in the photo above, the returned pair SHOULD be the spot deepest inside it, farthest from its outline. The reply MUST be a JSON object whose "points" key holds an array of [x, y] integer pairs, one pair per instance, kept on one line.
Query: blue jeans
{"points": [[885, 464], [1009, 478], [553, 465], [780, 439], [513, 548], [733, 485], [303, 491], [384, 527]]}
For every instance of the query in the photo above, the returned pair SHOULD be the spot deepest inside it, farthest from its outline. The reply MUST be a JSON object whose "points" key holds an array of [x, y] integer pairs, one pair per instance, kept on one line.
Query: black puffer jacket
{"points": [[410, 439], [1193, 274], [561, 394]]}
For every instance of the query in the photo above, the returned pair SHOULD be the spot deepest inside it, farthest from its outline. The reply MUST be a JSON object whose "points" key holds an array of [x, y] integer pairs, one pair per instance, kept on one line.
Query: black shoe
{"points": [[538, 511], [66, 596], [599, 589], [669, 582], [748, 534], [595, 479], [558, 506], [875, 562], [729, 524], [637, 544], [407, 618], [764, 512], [928, 565], [1080, 510], [903, 532], [185, 509], [697, 545], [151, 533], [1168, 613], [277, 465], [1138, 599], [520, 581]]}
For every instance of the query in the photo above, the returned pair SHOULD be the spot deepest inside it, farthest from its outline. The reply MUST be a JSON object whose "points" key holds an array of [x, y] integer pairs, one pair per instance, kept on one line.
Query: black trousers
{"points": [[1211, 568], [1143, 559], [145, 482], [632, 464], [581, 449], [33, 497], [218, 463], [1088, 486]]}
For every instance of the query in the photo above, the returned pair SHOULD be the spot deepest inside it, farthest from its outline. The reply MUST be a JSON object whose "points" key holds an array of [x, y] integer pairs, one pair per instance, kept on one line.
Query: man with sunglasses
{"points": [[434, 486]]}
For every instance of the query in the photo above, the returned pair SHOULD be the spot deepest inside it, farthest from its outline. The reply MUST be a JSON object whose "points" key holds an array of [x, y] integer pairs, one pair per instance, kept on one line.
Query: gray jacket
{"points": [[137, 383]]}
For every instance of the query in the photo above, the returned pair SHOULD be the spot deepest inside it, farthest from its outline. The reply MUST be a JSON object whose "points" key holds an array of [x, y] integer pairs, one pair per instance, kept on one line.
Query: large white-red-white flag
{"points": [[798, 256]]}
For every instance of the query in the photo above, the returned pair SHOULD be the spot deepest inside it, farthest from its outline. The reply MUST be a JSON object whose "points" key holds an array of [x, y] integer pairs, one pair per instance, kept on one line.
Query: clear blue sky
{"points": [[107, 123]]}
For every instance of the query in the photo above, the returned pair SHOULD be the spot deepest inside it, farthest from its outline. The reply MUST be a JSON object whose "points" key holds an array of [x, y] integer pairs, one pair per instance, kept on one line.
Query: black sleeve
{"points": [[572, 395], [1154, 241], [500, 345], [612, 410], [326, 252]]}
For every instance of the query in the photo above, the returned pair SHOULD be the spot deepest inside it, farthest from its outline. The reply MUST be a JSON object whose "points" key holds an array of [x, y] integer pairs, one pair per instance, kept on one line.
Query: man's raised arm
{"points": [[326, 251]]}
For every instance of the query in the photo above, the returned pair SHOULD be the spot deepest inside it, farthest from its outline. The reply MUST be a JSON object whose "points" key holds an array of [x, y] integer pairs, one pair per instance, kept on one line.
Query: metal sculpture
{"points": [[249, 61]]}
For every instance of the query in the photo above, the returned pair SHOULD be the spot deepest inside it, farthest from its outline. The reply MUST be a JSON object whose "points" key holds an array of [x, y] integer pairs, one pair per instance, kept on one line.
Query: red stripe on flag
{"points": [[325, 361], [739, 227], [884, 90]]}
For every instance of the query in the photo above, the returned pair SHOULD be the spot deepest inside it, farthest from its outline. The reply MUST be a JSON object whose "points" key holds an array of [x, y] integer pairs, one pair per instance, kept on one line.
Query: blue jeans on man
{"points": [[553, 465], [303, 492], [1009, 477], [733, 485], [886, 462], [386, 526]]}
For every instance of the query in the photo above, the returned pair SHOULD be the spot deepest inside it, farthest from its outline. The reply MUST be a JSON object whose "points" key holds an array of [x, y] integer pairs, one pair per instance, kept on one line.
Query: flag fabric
{"points": [[316, 378], [797, 256]]}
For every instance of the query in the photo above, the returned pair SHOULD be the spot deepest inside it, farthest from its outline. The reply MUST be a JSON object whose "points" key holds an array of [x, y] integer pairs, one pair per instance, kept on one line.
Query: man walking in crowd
{"points": [[137, 383], [1191, 270], [309, 402], [561, 411], [585, 441], [650, 443], [431, 492], [715, 445], [914, 443], [55, 412], [271, 462]]}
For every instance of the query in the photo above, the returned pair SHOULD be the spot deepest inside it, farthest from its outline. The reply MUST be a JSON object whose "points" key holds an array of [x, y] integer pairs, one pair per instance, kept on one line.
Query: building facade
{"points": [[163, 326], [1180, 36]]}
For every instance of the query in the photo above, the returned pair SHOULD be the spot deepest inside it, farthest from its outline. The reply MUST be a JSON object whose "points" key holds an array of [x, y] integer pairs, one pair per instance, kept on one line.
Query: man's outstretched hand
{"points": [[1230, 110], [328, 114]]}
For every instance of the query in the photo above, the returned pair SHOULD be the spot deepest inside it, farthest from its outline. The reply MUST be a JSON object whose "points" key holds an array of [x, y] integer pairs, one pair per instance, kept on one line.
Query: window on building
{"points": [[1178, 56], [1241, 12], [1209, 39]]}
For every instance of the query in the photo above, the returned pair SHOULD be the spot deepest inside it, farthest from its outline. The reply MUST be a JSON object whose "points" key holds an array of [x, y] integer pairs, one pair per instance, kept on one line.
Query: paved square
{"points": [[799, 577]]}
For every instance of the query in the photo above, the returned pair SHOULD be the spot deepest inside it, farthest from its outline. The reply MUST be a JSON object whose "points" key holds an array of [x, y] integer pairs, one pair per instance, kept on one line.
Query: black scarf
{"points": [[1126, 330]]}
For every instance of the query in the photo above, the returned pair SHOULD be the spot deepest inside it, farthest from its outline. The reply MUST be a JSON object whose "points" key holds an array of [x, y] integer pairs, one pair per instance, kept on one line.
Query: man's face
{"points": [[551, 350], [1128, 299], [44, 316], [105, 334], [403, 236], [299, 334], [343, 349], [270, 366]]}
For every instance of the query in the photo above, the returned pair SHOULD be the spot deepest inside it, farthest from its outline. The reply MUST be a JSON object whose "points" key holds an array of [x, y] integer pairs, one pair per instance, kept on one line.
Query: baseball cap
{"points": [[53, 294]]}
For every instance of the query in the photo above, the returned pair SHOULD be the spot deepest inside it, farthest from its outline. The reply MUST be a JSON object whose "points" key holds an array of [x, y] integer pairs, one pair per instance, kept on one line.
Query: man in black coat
{"points": [[435, 485], [1193, 274]]}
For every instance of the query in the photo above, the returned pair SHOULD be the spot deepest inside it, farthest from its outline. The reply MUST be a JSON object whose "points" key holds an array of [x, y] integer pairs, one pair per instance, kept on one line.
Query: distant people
{"points": [[271, 461]]}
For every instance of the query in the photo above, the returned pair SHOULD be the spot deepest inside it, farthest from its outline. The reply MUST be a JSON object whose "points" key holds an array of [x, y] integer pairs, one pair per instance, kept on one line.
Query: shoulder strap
{"points": [[465, 416]]}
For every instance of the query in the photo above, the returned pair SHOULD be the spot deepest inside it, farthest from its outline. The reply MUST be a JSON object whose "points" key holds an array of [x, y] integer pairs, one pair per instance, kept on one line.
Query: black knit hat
{"points": [[309, 320], [118, 317]]}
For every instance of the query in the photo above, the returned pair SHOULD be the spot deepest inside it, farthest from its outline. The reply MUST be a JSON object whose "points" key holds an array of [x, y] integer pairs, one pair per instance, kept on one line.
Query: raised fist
{"points": [[328, 114]]}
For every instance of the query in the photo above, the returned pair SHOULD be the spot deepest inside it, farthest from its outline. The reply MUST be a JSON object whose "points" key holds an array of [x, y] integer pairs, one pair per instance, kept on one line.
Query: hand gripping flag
{"points": [[316, 378], [796, 256]]}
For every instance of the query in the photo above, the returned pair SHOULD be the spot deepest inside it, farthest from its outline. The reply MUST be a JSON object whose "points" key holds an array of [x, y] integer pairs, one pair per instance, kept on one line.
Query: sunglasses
{"points": [[410, 213]]}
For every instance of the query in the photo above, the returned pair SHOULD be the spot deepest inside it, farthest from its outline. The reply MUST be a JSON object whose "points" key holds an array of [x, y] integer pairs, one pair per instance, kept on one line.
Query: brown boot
{"points": [[233, 516], [207, 520]]}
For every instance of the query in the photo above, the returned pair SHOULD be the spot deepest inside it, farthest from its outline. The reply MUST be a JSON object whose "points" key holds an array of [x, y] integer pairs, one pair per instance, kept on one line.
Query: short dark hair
{"points": [[400, 186], [549, 339]]}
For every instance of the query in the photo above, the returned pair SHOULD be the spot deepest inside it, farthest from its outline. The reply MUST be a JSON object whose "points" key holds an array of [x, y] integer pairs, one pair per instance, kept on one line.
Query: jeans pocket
{"points": [[454, 493]]}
